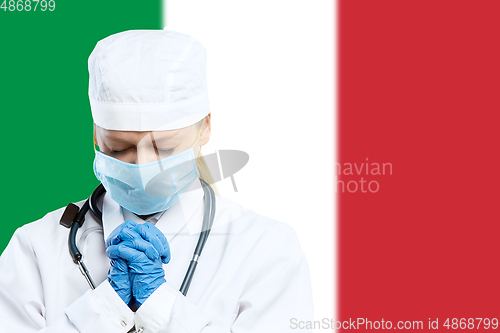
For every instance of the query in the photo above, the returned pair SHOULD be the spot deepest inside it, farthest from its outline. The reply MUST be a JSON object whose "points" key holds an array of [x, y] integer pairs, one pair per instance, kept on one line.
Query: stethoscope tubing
{"points": [[208, 219], [91, 203]]}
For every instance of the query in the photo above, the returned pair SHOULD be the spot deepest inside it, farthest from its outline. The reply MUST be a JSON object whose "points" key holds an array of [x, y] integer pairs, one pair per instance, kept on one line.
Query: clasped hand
{"points": [[137, 253]]}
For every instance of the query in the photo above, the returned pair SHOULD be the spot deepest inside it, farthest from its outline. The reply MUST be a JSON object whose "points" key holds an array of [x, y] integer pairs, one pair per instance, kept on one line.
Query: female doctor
{"points": [[151, 116]]}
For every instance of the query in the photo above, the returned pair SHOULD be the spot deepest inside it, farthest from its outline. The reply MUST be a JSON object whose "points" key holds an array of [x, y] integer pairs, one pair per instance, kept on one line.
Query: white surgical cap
{"points": [[146, 80]]}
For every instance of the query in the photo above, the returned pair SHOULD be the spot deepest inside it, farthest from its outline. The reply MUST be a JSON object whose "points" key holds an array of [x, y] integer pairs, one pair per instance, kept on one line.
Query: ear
{"points": [[95, 137], [205, 131]]}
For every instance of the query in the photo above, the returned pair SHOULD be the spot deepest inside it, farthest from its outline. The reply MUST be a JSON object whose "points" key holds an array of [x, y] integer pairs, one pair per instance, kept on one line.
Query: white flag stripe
{"points": [[271, 70]]}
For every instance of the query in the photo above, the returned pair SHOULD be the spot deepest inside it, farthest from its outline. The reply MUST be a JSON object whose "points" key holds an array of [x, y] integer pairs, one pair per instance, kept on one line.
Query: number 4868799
{"points": [[28, 5]]}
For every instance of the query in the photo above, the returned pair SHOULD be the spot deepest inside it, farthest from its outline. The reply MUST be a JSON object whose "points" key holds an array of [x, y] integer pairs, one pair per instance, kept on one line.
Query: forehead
{"points": [[135, 137]]}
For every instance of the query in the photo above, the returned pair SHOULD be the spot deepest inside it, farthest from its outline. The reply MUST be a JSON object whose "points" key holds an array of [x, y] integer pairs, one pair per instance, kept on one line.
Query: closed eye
{"points": [[166, 151], [119, 151]]}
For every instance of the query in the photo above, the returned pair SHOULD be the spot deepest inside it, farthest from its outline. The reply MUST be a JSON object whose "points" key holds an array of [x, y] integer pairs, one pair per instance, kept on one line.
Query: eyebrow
{"points": [[160, 140], [117, 139], [164, 140]]}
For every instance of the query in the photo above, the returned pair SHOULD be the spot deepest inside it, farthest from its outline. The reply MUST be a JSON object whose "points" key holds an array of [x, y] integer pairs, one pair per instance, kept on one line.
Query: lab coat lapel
{"points": [[112, 215], [176, 217]]}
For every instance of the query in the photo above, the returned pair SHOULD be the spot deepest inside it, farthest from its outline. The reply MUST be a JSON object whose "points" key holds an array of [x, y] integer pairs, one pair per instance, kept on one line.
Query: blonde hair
{"points": [[203, 169]]}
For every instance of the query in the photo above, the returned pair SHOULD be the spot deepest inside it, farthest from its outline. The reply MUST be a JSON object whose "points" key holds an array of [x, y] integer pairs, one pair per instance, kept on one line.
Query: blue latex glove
{"points": [[145, 254], [118, 277], [118, 273], [145, 237]]}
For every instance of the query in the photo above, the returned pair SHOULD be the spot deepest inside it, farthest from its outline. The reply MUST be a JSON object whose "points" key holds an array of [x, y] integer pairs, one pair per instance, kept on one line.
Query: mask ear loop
{"points": [[197, 138]]}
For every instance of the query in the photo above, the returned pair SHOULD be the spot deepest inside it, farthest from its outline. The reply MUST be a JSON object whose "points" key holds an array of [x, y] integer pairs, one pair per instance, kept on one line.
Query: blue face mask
{"points": [[147, 188]]}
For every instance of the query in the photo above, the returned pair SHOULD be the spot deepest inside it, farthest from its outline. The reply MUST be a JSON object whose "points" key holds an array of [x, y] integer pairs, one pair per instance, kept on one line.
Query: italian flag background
{"points": [[372, 128]]}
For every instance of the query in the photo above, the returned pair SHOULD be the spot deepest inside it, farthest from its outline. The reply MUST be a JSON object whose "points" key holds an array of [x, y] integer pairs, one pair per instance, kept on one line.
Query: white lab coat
{"points": [[252, 275]]}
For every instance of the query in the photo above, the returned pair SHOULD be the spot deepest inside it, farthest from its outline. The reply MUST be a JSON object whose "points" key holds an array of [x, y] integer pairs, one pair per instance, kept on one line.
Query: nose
{"points": [[146, 155]]}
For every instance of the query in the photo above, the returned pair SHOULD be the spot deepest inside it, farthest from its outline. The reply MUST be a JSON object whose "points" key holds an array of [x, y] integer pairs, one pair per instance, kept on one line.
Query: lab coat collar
{"points": [[128, 215], [170, 222]]}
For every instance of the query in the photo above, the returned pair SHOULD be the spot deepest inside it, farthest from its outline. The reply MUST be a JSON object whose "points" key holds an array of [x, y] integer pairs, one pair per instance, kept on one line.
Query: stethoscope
{"points": [[73, 218]]}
